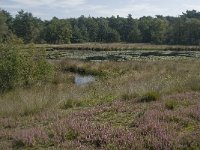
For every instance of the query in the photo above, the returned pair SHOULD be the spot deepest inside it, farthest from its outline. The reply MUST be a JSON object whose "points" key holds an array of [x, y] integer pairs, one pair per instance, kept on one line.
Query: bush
{"points": [[150, 96], [22, 67]]}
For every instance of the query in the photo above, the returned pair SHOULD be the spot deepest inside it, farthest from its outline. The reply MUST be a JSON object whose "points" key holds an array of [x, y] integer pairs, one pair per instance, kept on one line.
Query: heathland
{"points": [[100, 96], [148, 102]]}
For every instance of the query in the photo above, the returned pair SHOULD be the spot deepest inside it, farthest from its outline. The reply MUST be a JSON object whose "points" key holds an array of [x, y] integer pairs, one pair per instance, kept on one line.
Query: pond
{"points": [[83, 79]]}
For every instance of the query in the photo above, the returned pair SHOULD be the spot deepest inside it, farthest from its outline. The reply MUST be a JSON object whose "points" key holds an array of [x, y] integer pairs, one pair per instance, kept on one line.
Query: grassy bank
{"points": [[141, 104], [117, 46]]}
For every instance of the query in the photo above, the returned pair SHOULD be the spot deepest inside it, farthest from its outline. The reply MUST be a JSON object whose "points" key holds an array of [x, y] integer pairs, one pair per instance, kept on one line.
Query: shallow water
{"points": [[83, 79]]}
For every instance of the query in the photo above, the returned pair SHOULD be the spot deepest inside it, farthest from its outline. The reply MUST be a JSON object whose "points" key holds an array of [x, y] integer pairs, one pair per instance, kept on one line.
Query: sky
{"points": [[46, 9]]}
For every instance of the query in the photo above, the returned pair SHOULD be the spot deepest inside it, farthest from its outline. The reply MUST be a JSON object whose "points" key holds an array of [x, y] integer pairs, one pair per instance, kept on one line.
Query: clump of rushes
{"points": [[171, 104], [129, 96], [72, 134], [150, 96], [67, 104], [70, 104]]}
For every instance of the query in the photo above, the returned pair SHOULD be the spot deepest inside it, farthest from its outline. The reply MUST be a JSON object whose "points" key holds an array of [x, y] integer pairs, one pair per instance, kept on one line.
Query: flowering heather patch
{"points": [[5, 134], [108, 119], [74, 145], [47, 116], [6, 145], [157, 134], [98, 135], [59, 130], [30, 137], [194, 112], [189, 140], [192, 96], [105, 135], [155, 128], [8, 123], [79, 127]]}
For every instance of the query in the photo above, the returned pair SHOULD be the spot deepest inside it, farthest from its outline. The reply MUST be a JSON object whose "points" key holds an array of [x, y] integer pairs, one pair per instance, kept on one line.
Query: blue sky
{"points": [[46, 9]]}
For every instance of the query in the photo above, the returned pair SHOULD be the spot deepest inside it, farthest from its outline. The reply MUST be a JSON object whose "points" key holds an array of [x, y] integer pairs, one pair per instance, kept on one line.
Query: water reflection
{"points": [[83, 79]]}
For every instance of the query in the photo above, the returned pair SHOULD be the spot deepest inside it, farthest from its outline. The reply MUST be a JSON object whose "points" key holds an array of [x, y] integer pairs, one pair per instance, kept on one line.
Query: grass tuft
{"points": [[72, 134], [171, 104], [129, 96], [150, 96], [71, 104]]}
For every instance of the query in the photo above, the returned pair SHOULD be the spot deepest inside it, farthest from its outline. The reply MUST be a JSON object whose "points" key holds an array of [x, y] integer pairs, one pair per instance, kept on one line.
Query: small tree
{"points": [[20, 67]]}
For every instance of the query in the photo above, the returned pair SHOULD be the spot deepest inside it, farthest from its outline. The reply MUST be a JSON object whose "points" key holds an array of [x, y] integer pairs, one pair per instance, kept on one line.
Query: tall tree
{"points": [[103, 27], [76, 35], [159, 30], [92, 29], [112, 36], [191, 14], [9, 19], [26, 26], [3, 26], [131, 32], [58, 31], [145, 24]]}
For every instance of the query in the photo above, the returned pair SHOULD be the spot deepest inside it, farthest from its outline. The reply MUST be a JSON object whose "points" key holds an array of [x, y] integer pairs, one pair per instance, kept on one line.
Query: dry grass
{"points": [[116, 46]]}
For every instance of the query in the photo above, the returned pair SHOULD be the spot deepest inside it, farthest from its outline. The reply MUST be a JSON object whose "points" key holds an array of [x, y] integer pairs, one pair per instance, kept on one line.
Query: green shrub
{"points": [[150, 96], [22, 67]]}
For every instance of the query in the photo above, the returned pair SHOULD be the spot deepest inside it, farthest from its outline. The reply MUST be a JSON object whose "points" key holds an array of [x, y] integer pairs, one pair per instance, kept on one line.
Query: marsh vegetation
{"points": [[138, 104]]}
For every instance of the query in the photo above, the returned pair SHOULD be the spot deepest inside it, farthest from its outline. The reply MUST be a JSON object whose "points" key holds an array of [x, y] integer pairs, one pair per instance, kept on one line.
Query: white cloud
{"points": [[45, 9], [32, 3], [134, 9], [74, 8], [70, 3], [191, 6], [48, 3]]}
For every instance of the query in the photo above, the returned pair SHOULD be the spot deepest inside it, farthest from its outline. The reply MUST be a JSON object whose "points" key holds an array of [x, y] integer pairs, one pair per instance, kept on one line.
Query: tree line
{"points": [[184, 29]]}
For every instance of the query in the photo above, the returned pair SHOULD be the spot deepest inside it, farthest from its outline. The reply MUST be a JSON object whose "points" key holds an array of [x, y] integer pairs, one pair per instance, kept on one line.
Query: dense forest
{"points": [[184, 29]]}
